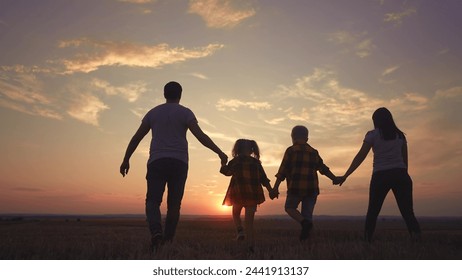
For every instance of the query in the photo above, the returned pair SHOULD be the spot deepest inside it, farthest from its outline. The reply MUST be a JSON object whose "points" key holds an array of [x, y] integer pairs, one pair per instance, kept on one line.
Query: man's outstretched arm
{"points": [[206, 141], [132, 145]]}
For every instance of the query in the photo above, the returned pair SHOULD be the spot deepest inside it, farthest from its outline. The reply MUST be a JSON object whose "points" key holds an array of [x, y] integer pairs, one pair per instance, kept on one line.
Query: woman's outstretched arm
{"points": [[357, 160]]}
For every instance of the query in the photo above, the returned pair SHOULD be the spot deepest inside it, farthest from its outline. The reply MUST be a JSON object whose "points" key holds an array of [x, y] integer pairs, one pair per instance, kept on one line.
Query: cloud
{"points": [[131, 92], [411, 102], [449, 93], [324, 102], [87, 109], [23, 92], [219, 13], [234, 104], [275, 121], [109, 53], [199, 76], [397, 18], [358, 43], [390, 70]]}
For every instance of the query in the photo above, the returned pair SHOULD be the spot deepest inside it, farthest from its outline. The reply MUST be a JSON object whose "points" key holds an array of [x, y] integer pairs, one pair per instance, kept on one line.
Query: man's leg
{"points": [[177, 174], [156, 181]]}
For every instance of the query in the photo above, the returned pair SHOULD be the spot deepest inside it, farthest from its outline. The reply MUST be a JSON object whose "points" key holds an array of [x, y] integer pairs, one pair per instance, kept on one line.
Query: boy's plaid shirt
{"points": [[299, 166]]}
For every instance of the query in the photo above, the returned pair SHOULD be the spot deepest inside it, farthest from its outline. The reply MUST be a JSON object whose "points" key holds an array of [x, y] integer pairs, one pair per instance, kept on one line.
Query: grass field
{"points": [[211, 238]]}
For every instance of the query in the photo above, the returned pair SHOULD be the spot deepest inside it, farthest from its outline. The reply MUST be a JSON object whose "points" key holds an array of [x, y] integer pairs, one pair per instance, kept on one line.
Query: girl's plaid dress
{"points": [[245, 187]]}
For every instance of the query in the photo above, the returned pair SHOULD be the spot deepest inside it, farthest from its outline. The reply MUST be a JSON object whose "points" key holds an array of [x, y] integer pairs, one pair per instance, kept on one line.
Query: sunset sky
{"points": [[76, 77]]}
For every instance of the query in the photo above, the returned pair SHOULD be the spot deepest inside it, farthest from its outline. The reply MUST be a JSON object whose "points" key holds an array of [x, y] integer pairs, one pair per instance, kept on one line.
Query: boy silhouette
{"points": [[299, 167]]}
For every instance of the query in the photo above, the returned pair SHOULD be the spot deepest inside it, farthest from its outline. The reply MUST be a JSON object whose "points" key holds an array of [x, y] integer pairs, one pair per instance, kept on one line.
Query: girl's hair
{"points": [[244, 146], [383, 121]]}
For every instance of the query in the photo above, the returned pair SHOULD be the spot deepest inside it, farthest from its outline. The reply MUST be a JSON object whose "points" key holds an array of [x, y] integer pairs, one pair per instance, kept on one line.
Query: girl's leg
{"points": [[402, 190], [379, 189], [237, 221], [249, 230]]}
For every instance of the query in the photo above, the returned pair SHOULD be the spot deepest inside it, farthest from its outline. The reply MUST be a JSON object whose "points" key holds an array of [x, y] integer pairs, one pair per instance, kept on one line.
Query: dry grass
{"points": [[212, 238]]}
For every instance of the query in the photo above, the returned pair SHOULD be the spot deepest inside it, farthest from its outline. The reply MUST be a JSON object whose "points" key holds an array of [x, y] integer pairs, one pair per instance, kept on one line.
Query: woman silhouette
{"points": [[390, 171]]}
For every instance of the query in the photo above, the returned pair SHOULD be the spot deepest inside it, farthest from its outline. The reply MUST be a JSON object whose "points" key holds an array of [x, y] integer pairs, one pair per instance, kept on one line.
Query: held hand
{"points": [[124, 167], [223, 158], [343, 179], [338, 180], [274, 193]]}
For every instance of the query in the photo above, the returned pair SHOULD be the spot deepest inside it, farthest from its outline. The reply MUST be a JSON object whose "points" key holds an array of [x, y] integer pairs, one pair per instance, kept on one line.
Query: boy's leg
{"points": [[291, 206], [308, 203]]}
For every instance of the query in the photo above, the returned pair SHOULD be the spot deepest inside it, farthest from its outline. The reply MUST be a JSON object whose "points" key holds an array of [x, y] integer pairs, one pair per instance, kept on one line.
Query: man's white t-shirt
{"points": [[169, 124]]}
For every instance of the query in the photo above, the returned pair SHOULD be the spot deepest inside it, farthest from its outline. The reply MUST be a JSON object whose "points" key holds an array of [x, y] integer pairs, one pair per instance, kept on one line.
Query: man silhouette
{"points": [[168, 159]]}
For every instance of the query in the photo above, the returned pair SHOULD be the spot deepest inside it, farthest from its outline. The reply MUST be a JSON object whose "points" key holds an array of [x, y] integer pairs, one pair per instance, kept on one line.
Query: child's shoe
{"points": [[306, 229]]}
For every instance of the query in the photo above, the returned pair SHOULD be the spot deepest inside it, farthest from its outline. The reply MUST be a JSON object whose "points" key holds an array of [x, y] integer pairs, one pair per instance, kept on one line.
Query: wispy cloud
{"points": [[390, 70], [397, 18], [87, 108], [23, 92], [358, 43], [333, 105], [219, 13], [235, 104], [449, 93], [109, 53], [199, 76], [131, 92], [411, 101], [323, 102]]}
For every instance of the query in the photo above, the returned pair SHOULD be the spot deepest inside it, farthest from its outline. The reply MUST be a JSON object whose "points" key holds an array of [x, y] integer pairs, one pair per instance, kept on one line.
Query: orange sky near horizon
{"points": [[76, 77]]}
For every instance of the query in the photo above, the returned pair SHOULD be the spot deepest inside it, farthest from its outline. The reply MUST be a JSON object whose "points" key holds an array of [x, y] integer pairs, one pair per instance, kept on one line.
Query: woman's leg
{"points": [[402, 189], [379, 189]]}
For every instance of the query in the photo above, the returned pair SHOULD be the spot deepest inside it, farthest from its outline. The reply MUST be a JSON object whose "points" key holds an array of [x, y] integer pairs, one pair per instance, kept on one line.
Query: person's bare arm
{"points": [[357, 160], [132, 145], [205, 140]]}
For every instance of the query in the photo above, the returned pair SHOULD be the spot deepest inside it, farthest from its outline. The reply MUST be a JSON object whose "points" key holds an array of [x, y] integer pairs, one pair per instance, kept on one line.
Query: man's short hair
{"points": [[300, 132], [172, 91]]}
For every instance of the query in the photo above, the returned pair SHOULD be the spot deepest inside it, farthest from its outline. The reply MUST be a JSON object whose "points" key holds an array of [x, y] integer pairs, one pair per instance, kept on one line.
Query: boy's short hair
{"points": [[299, 132], [172, 91]]}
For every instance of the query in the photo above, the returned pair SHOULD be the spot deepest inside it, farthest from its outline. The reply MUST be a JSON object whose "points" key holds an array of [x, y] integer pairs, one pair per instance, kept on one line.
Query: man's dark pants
{"points": [[161, 173]]}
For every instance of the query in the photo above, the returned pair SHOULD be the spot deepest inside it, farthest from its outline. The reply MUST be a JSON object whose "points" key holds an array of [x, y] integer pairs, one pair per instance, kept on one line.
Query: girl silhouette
{"points": [[245, 188]]}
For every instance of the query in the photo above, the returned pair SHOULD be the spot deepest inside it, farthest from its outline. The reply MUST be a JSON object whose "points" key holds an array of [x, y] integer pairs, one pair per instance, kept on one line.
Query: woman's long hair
{"points": [[383, 121], [244, 145]]}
